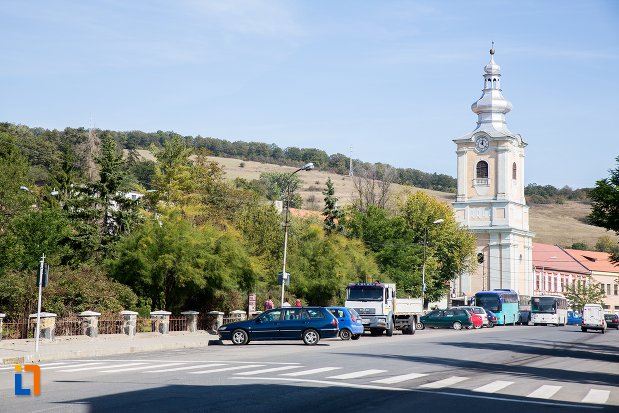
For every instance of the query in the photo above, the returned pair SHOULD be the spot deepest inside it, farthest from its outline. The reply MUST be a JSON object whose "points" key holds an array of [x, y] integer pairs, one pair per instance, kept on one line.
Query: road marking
{"points": [[123, 369], [249, 366], [255, 372], [442, 392], [545, 392], [105, 366], [42, 366], [444, 383], [493, 387], [184, 368], [596, 396], [399, 379], [189, 361], [356, 374], [308, 372]]}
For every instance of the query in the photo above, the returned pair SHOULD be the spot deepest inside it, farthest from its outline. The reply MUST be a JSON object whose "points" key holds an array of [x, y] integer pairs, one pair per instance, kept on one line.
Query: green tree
{"points": [[276, 184], [332, 213], [172, 180], [14, 167], [578, 295], [606, 243], [398, 240], [579, 246], [605, 206]]}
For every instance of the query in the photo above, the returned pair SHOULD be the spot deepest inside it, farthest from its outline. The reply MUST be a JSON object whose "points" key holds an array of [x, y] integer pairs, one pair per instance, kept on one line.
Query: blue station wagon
{"points": [[309, 324]]}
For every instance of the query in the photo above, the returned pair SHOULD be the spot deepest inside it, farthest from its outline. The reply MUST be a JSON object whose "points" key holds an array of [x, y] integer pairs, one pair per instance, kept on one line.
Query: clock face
{"points": [[481, 144]]}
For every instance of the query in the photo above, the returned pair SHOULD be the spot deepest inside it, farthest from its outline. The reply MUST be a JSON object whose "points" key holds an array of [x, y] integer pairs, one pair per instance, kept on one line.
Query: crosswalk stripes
{"points": [[91, 366], [248, 366], [67, 366], [270, 370], [312, 371], [185, 368], [450, 381], [544, 392], [493, 387], [596, 396], [356, 374], [399, 379], [125, 368]]}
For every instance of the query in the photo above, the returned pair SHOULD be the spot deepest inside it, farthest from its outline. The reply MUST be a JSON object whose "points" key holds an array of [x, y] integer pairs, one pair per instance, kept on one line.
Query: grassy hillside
{"points": [[552, 223]]}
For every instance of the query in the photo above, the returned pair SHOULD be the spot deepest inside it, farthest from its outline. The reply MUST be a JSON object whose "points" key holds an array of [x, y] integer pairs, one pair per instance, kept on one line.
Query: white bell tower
{"points": [[490, 196]]}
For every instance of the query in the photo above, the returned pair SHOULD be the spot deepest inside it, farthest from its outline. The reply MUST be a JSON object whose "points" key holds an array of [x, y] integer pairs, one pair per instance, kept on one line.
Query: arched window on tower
{"points": [[482, 170], [514, 171]]}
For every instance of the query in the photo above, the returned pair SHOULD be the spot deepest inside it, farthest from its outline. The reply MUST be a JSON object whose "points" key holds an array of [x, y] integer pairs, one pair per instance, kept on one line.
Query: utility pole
{"points": [[40, 275], [350, 173]]}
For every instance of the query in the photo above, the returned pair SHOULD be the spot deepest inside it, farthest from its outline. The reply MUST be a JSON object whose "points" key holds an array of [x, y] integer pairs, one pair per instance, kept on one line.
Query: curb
{"points": [[109, 351]]}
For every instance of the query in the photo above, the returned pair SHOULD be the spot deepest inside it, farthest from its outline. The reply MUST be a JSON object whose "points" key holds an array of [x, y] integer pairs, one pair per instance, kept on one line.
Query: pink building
{"points": [[555, 269]]}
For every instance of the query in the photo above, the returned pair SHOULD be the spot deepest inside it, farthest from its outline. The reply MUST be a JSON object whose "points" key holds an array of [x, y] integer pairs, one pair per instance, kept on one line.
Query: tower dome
{"points": [[491, 107]]}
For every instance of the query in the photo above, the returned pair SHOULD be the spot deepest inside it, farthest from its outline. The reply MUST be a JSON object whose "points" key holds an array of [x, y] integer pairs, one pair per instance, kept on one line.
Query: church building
{"points": [[490, 197]]}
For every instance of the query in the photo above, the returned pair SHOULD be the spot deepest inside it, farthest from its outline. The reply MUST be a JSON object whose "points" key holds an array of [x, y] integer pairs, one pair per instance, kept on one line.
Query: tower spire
{"points": [[492, 106]]}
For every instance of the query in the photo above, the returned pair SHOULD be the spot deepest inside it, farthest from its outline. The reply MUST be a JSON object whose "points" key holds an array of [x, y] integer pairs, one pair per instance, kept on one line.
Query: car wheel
{"points": [[389, 331], [477, 327], [583, 329], [345, 334], [311, 337], [355, 336], [239, 337], [603, 330], [376, 331], [420, 326], [457, 325], [490, 324]]}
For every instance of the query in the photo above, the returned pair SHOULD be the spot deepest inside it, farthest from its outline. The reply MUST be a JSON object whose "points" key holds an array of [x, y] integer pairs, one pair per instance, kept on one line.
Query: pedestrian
{"points": [[286, 303], [298, 303], [268, 304]]}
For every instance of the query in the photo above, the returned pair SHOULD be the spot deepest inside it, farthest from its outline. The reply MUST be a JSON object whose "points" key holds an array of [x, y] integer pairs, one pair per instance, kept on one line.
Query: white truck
{"points": [[380, 310]]}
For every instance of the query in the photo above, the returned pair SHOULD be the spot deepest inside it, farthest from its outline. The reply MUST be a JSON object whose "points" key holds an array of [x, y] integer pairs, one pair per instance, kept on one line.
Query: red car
{"points": [[478, 322]]}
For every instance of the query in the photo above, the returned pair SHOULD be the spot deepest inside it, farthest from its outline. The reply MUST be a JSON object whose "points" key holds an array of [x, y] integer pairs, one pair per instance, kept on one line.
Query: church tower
{"points": [[490, 196]]}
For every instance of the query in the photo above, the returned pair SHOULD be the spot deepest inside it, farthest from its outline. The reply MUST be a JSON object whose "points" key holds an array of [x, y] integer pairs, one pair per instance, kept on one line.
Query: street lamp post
{"points": [[306, 167], [423, 267]]}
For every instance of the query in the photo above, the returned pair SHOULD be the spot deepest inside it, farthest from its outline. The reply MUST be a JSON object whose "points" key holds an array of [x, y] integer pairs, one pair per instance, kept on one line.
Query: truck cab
{"points": [[375, 304]]}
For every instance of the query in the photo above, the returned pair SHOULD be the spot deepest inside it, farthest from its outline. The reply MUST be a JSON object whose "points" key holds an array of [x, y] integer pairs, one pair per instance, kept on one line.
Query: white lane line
{"points": [[312, 371], [399, 379], [187, 361], [184, 368], [105, 366], [444, 383], [255, 372], [356, 374], [442, 392], [545, 392], [249, 366], [596, 396], [493, 387], [124, 368], [55, 364]]}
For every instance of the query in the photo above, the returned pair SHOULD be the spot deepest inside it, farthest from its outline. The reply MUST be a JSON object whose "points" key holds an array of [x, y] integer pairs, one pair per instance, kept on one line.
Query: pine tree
{"points": [[331, 212]]}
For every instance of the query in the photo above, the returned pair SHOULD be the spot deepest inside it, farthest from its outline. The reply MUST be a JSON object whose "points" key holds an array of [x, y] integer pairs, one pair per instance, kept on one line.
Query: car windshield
{"points": [[610, 316], [543, 305], [365, 293], [489, 302]]}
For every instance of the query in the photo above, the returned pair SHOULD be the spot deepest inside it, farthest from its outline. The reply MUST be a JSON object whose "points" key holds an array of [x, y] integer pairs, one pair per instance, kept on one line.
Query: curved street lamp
{"points": [[423, 267], [306, 167]]}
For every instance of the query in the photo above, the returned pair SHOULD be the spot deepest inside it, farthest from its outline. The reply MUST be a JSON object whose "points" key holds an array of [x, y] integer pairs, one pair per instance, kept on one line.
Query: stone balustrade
{"points": [[160, 321], [130, 319], [90, 323], [47, 325], [192, 320], [2, 315]]}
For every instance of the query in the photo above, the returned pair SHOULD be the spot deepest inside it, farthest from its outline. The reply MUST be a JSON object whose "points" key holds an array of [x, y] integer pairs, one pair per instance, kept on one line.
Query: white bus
{"points": [[548, 309]]}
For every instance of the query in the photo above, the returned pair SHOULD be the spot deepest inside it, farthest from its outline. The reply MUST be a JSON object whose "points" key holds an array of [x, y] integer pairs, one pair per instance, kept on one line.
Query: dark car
{"points": [[309, 324], [612, 320], [349, 322], [492, 319], [454, 318]]}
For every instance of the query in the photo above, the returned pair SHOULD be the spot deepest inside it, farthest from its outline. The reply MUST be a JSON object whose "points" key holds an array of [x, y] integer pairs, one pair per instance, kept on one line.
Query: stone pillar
{"points": [[47, 326], [218, 320], [255, 314], [160, 321], [2, 315], [90, 323], [238, 315], [192, 320], [129, 322]]}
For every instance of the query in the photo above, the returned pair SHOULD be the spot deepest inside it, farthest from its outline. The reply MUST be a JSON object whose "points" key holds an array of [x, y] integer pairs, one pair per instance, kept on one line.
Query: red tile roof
{"points": [[594, 261], [555, 258], [305, 213]]}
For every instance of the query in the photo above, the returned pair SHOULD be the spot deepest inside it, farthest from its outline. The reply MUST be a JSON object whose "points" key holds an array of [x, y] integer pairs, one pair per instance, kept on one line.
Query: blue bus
{"points": [[503, 303]]}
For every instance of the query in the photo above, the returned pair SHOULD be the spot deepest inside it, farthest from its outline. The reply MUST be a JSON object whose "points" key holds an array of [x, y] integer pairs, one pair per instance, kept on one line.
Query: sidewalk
{"points": [[22, 351]]}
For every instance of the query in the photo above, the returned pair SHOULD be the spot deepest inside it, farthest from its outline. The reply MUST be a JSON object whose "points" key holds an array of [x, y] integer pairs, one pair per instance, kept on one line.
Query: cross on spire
{"points": [[492, 49]]}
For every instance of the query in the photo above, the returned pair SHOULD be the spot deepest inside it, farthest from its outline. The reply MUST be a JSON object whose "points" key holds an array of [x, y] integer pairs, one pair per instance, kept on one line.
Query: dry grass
{"points": [[552, 224]]}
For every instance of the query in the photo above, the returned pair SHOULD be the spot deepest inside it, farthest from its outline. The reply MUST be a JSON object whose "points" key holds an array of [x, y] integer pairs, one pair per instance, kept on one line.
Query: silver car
{"points": [[479, 311]]}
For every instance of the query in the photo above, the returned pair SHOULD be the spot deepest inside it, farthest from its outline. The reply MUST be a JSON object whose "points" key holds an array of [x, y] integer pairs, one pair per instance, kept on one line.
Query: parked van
{"points": [[593, 318]]}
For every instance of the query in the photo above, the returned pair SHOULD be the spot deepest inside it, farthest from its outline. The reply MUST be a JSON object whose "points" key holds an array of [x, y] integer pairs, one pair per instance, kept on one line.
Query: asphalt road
{"points": [[505, 369]]}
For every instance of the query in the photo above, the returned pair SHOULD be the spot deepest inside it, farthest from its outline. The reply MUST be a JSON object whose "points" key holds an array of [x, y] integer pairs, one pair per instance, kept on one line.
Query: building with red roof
{"points": [[603, 271], [554, 269]]}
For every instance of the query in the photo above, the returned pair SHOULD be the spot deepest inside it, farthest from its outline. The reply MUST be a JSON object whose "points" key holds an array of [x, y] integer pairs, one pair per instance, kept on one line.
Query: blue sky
{"points": [[393, 79]]}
